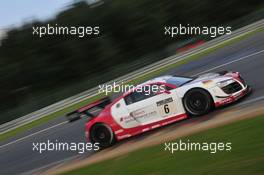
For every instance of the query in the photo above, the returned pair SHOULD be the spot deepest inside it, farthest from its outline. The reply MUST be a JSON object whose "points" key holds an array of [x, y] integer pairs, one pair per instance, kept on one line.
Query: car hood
{"points": [[209, 76]]}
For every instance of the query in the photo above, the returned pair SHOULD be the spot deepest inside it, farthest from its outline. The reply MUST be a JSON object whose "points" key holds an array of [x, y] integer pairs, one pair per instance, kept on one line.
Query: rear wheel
{"points": [[197, 102], [102, 134]]}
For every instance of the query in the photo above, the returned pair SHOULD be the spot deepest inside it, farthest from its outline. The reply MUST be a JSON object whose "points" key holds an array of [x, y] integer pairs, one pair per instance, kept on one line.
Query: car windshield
{"points": [[179, 81]]}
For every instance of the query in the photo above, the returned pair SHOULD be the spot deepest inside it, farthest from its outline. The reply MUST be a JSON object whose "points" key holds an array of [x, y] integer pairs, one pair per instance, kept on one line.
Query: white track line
{"points": [[225, 64], [222, 65], [38, 132]]}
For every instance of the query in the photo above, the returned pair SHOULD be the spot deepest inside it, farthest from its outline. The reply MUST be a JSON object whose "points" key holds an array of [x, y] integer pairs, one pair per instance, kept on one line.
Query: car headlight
{"points": [[225, 83]]}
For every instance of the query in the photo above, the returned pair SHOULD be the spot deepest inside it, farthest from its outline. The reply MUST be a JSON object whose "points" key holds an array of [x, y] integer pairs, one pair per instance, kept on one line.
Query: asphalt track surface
{"points": [[17, 156]]}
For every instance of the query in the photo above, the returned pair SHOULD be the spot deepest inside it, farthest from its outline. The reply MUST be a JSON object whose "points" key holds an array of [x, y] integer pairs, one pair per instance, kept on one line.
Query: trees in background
{"points": [[30, 66]]}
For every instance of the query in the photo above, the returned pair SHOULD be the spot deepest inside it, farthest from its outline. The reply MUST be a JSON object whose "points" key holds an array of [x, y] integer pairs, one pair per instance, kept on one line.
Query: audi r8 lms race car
{"points": [[176, 98]]}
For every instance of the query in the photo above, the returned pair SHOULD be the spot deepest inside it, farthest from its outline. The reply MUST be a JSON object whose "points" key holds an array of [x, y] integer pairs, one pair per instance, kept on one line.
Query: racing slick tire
{"points": [[102, 134], [197, 102]]}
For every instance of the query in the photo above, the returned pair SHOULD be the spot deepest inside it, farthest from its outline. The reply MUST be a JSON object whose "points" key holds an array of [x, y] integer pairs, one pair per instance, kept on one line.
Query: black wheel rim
{"points": [[101, 135], [197, 102]]}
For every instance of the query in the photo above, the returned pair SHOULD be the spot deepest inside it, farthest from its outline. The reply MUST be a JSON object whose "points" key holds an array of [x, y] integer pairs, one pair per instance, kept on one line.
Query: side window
{"points": [[135, 97], [144, 93], [129, 99]]}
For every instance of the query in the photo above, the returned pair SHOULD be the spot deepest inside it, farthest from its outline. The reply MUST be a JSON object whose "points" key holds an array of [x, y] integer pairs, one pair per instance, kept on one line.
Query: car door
{"points": [[142, 108], [132, 110], [153, 104], [145, 107]]}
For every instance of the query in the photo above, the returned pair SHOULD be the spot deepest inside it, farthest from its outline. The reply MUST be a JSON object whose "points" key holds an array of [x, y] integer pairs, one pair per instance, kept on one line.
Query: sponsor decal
{"points": [[227, 100], [137, 115], [165, 101], [207, 83]]}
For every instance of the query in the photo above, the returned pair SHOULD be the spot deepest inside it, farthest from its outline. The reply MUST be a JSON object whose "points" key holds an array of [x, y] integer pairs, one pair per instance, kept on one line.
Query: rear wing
{"points": [[90, 110]]}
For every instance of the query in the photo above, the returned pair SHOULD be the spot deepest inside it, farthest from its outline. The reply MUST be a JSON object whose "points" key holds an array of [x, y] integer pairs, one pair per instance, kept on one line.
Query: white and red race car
{"points": [[135, 112]]}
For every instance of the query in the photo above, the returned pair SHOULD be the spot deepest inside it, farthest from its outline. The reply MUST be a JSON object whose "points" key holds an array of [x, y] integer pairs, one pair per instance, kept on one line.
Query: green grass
{"points": [[140, 79], [246, 156]]}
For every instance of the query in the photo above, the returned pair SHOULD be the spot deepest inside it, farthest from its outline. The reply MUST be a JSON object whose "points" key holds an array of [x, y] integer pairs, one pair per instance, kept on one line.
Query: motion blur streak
{"points": [[21, 155], [33, 134], [222, 65]]}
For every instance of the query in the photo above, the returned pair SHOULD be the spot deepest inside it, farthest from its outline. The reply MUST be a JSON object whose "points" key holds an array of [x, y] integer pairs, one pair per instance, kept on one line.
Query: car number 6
{"points": [[166, 108]]}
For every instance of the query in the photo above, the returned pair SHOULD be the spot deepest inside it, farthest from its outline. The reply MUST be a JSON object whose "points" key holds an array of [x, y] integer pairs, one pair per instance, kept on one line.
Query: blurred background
{"points": [[36, 72]]}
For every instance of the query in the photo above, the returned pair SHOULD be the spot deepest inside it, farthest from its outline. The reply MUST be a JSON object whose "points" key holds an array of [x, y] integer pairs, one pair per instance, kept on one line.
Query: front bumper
{"points": [[232, 98]]}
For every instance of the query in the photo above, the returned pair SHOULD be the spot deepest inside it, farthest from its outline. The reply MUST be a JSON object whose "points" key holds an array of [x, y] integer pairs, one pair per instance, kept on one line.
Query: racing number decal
{"points": [[166, 107]]}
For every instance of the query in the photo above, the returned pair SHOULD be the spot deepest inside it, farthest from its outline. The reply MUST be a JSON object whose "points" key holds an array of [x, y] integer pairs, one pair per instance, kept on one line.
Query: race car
{"points": [[166, 99]]}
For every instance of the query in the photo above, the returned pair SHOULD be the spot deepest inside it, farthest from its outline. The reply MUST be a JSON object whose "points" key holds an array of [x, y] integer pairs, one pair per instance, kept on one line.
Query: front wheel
{"points": [[102, 134], [197, 102]]}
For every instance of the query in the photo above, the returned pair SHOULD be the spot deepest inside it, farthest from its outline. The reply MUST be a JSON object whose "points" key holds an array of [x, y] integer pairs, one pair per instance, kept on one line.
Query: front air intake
{"points": [[232, 88]]}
